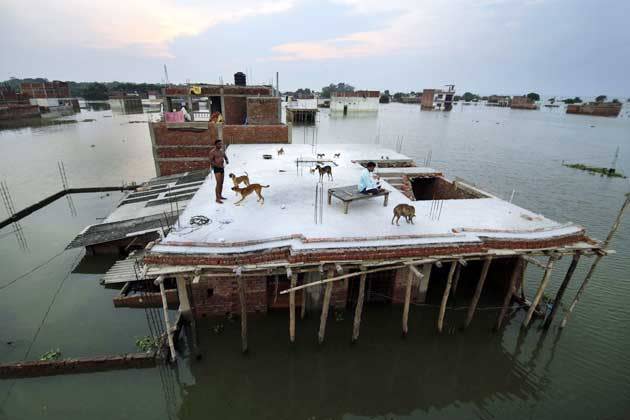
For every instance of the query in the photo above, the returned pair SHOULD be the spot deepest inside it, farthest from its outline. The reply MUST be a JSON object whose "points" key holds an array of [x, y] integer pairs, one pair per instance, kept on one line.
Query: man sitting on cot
{"points": [[368, 182]]}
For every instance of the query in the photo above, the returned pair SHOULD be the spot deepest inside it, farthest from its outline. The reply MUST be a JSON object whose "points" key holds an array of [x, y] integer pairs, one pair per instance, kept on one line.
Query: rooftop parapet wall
{"points": [[185, 147]]}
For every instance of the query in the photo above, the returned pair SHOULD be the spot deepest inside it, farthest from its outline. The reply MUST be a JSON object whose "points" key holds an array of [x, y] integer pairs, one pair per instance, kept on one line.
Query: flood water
{"points": [[584, 372]]}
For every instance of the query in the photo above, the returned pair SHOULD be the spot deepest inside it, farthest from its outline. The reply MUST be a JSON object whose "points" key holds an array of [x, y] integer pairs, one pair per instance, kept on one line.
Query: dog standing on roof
{"points": [[244, 192]]}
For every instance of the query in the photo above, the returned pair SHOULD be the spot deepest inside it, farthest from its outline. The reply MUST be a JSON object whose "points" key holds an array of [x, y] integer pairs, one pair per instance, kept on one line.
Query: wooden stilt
{"points": [[478, 290], [325, 305], [169, 330], [613, 229], [540, 291], [456, 281], [303, 308], [359, 308], [447, 290], [510, 292], [558, 300], [405, 318], [241, 295], [292, 310]]}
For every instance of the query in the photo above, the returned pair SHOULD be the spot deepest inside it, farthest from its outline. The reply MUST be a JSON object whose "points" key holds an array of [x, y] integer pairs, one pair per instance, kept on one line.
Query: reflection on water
{"points": [[471, 374]]}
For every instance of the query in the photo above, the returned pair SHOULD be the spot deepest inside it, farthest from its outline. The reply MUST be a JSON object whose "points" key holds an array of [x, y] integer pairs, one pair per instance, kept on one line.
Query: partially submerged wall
{"points": [[218, 296], [604, 109]]}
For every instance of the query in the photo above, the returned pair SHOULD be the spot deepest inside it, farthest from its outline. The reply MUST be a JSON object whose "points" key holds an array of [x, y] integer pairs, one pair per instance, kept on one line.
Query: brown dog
{"points": [[322, 171], [244, 192], [406, 211], [238, 179], [281, 151]]}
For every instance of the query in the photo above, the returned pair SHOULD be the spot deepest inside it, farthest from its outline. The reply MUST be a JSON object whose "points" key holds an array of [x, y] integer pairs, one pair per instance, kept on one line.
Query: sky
{"points": [[553, 47]]}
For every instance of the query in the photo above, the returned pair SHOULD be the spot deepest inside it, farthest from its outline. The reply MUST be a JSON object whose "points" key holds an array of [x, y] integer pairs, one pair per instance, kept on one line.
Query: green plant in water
{"points": [[146, 344], [51, 355]]}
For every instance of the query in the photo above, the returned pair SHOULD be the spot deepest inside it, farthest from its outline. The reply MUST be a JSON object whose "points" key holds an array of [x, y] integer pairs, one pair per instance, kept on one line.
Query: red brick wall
{"points": [[339, 296], [23, 111], [224, 297], [252, 134], [263, 110], [184, 151], [235, 110], [170, 167], [176, 137]]}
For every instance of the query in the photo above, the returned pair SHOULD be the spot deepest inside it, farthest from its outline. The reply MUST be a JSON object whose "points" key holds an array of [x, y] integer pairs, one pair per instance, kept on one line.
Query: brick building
{"points": [[224, 259], [251, 114]]}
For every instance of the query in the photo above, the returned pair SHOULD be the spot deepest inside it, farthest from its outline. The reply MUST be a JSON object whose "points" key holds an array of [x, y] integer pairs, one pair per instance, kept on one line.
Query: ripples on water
{"points": [[581, 374]]}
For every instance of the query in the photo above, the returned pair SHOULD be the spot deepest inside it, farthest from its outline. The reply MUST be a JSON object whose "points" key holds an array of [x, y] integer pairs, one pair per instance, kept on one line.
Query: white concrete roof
{"points": [[287, 217]]}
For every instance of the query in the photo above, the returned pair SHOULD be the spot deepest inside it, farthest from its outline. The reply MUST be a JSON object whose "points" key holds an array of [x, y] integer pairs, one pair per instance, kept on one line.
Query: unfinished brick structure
{"points": [[251, 115]]}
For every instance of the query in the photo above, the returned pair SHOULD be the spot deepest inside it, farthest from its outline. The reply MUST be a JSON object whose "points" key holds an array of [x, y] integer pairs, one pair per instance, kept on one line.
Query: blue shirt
{"points": [[366, 182]]}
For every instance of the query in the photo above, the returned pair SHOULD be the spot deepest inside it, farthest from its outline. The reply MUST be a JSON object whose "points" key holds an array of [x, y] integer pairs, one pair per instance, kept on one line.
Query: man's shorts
{"points": [[218, 170]]}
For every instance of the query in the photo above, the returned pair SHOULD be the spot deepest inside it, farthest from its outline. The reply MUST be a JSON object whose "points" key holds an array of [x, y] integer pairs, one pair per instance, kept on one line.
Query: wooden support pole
{"points": [[325, 305], [540, 291], [447, 290], [169, 330], [292, 310], [558, 300], [478, 290], [303, 308], [613, 229], [359, 309], [241, 294], [510, 291], [456, 279], [405, 318]]}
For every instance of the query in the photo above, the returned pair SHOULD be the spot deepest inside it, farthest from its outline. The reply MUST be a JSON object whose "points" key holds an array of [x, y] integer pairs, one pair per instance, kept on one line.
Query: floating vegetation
{"points": [[147, 344], [609, 172], [51, 355]]}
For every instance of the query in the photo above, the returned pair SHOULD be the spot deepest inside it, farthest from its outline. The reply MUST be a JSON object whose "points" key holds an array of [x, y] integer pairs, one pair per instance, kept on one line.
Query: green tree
{"points": [[397, 96], [600, 98], [469, 96], [327, 91], [533, 96], [615, 101], [96, 92]]}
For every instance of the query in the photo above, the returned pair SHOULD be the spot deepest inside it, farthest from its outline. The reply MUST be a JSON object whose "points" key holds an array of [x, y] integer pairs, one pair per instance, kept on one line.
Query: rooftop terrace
{"points": [[286, 220]]}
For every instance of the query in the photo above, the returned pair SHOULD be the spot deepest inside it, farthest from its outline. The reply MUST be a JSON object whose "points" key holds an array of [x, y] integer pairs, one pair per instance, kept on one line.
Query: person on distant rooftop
{"points": [[368, 181], [218, 159]]}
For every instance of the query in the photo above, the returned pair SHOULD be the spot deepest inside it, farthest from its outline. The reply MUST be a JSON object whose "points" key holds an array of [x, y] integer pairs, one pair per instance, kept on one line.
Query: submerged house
{"points": [[438, 99], [315, 244], [600, 109], [357, 101], [523, 102]]}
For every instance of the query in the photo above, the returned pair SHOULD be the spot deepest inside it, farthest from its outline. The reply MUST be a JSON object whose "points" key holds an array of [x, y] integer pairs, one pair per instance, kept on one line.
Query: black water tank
{"points": [[240, 79]]}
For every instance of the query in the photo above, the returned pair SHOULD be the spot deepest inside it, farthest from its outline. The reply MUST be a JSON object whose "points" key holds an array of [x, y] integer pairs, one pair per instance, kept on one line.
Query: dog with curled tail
{"points": [[244, 192]]}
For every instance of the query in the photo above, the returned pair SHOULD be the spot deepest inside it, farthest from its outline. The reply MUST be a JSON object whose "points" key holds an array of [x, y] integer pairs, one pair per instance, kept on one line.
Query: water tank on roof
{"points": [[240, 79]]}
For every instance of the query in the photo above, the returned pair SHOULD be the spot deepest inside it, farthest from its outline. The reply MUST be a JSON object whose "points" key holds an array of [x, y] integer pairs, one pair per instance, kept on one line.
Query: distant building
{"points": [[523, 102], [410, 99], [438, 99], [358, 101], [600, 109], [54, 89], [499, 100]]}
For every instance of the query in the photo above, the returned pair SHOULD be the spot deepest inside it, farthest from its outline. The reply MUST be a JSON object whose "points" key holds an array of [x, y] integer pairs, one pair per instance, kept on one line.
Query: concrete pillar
{"points": [[423, 285]]}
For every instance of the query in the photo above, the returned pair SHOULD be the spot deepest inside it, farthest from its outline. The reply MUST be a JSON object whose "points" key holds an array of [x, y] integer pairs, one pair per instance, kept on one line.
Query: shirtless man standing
{"points": [[218, 159]]}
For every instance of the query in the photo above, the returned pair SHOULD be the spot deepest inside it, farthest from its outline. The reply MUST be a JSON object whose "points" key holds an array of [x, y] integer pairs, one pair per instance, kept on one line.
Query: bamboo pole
{"points": [[241, 294], [510, 291], [540, 291], [405, 319], [558, 300], [447, 290], [359, 308], [478, 290], [169, 330], [326, 304], [613, 229], [456, 280], [292, 310], [303, 308]]}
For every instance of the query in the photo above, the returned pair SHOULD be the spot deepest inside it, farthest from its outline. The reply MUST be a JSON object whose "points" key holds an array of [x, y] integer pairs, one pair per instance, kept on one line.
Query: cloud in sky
{"points": [[146, 26], [411, 25]]}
